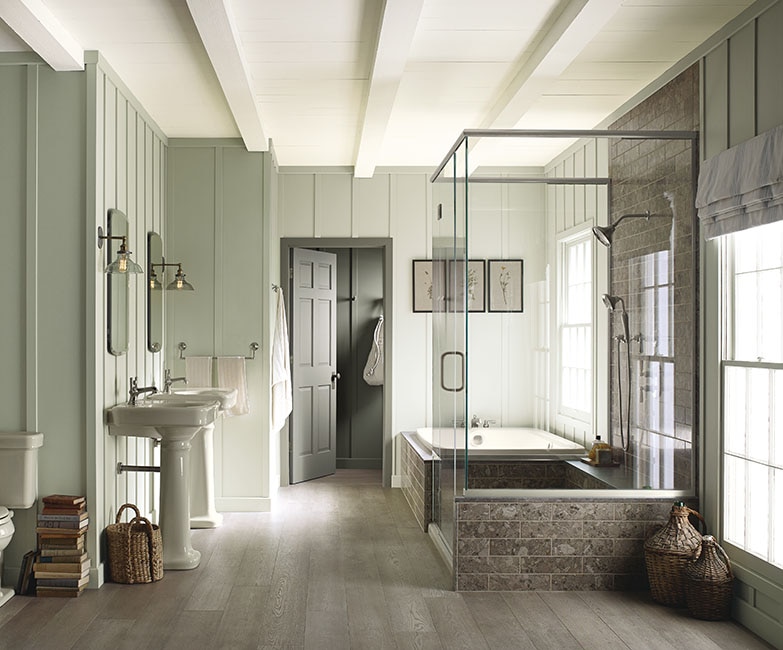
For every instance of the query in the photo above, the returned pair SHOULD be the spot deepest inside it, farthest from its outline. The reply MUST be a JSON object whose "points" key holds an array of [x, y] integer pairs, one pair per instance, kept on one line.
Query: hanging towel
{"points": [[198, 371], [373, 369], [282, 400], [231, 374]]}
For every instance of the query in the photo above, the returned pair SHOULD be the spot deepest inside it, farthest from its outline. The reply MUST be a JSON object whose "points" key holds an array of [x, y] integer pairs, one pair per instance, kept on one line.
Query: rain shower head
{"points": [[604, 234]]}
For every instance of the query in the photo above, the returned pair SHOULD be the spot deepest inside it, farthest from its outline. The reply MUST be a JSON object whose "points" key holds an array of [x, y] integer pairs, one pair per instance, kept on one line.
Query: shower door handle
{"points": [[461, 358]]}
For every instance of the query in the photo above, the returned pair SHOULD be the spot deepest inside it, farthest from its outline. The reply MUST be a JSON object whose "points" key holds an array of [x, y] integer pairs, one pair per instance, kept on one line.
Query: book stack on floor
{"points": [[62, 567]]}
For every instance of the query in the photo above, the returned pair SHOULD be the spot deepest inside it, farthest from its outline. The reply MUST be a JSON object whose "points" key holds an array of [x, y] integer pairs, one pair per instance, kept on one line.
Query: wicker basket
{"points": [[135, 549], [667, 553], [709, 582]]}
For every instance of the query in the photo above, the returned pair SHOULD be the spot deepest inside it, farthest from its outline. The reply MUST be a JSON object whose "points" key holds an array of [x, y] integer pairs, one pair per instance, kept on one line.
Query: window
{"points": [[576, 327], [752, 375]]}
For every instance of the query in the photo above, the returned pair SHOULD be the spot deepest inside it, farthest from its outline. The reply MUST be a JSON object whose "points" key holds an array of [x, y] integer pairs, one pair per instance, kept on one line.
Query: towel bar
{"points": [[253, 348]]}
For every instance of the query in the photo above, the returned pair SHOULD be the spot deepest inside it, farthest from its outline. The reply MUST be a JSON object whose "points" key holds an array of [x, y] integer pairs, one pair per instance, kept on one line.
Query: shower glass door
{"points": [[449, 340]]}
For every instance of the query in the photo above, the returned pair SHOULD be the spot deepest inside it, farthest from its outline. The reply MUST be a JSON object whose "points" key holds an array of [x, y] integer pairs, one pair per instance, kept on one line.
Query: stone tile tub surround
{"points": [[554, 544], [416, 463]]}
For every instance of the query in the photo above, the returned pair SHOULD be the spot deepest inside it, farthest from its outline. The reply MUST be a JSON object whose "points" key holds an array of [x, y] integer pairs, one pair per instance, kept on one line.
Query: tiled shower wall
{"points": [[654, 269]]}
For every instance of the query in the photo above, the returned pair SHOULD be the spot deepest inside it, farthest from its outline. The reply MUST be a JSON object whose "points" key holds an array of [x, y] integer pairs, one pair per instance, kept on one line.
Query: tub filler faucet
{"points": [[475, 422]]}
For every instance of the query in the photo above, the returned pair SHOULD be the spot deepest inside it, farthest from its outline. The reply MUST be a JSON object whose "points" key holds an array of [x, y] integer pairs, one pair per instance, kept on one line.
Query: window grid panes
{"points": [[753, 392], [576, 328]]}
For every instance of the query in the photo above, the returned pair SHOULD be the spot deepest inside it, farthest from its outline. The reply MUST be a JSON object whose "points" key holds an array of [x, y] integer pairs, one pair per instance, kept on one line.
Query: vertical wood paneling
{"points": [[371, 208], [742, 76], [769, 89], [715, 103], [333, 209], [297, 205]]}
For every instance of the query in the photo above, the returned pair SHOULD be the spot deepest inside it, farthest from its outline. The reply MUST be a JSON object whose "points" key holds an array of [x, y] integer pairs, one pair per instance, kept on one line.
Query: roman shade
{"points": [[742, 187]]}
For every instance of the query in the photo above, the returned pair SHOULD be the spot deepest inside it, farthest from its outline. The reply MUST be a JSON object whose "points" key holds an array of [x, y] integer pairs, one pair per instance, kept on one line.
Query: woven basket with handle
{"points": [[709, 582], [135, 549], [667, 553]]}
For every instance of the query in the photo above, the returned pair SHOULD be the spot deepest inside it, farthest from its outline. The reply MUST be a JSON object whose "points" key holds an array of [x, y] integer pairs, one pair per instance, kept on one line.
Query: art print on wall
{"points": [[505, 285], [470, 279], [429, 282]]}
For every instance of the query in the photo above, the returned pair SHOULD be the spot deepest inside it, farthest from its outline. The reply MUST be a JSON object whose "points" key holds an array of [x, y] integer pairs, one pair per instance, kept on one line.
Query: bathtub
{"points": [[504, 442]]}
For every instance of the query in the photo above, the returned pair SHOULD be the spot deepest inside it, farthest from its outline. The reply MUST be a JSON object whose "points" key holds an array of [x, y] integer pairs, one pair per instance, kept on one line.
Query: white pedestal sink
{"points": [[203, 513], [174, 423]]}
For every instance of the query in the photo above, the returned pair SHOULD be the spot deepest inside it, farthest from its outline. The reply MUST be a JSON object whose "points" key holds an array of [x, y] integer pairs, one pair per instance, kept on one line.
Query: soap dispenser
{"points": [[597, 444]]}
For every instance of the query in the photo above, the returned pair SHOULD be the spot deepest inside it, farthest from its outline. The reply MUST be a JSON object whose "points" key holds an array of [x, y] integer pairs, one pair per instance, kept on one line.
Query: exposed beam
{"points": [[578, 22], [399, 19], [37, 26], [215, 24]]}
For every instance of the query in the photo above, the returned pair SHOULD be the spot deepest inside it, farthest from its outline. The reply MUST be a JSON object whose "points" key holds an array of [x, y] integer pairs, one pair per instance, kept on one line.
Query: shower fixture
{"points": [[604, 234], [614, 304]]}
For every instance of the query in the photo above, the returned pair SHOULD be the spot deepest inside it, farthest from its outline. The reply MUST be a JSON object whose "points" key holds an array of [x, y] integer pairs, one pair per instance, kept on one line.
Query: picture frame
{"points": [[504, 282], [429, 282], [476, 274]]}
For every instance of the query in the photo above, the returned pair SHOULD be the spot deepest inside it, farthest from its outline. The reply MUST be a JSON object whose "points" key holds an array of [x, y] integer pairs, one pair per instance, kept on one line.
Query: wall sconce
{"points": [[179, 283], [123, 263]]}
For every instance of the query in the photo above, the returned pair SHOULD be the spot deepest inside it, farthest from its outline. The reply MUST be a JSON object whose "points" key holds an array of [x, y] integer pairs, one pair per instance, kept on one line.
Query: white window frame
{"points": [[581, 237]]}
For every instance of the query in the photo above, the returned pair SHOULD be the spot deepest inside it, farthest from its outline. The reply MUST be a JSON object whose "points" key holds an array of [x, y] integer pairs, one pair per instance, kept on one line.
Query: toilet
{"points": [[18, 486]]}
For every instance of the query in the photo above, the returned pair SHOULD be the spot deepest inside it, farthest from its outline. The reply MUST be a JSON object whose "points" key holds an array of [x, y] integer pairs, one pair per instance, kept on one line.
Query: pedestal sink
{"points": [[203, 513], [174, 423]]}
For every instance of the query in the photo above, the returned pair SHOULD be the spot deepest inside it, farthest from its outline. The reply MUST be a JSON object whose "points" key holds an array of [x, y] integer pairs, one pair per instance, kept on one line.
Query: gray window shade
{"points": [[742, 187]]}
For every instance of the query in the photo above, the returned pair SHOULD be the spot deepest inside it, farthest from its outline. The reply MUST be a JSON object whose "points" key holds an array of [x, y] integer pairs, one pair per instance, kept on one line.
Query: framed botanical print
{"points": [[429, 282], [505, 285], [473, 282]]}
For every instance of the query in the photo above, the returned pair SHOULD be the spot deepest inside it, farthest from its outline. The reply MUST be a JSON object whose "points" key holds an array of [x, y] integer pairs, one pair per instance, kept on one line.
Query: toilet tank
{"points": [[19, 468]]}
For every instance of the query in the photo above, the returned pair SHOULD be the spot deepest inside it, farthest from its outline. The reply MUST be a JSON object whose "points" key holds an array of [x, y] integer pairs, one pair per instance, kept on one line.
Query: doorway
{"points": [[364, 294]]}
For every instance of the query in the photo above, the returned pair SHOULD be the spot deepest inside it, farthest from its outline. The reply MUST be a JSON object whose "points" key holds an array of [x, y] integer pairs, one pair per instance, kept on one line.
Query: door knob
{"points": [[335, 377]]}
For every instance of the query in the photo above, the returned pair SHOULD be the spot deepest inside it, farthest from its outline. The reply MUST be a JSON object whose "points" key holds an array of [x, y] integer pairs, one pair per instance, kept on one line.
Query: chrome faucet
{"points": [[475, 422], [135, 391], [488, 423], [168, 380]]}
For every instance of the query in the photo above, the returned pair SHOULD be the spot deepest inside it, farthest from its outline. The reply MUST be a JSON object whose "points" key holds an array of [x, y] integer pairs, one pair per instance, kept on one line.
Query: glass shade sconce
{"points": [[179, 283], [118, 274]]}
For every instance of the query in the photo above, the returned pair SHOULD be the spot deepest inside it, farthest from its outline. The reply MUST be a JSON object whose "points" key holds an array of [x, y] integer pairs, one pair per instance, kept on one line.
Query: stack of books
{"points": [[62, 566]]}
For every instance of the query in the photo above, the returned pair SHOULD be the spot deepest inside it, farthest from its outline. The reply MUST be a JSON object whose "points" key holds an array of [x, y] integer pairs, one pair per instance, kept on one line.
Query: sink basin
{"points": [[226, 397], [161, 419]]}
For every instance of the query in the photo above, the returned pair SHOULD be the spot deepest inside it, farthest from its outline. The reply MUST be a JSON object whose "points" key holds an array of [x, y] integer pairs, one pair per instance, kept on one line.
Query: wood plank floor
{"points": [[341, 563]]}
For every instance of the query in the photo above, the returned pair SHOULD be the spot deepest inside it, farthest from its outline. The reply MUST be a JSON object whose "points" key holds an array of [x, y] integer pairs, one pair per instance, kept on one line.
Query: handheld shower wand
{"points": [[613, 303]]}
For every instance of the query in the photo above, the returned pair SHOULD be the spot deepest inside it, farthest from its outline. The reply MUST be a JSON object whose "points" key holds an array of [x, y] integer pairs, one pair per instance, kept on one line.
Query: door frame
{"points": [[386, 245]]}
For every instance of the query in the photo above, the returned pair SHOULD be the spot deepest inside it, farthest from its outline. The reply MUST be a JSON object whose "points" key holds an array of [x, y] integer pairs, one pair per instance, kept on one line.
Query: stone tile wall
{"points": [[416, 477], [554, 544], [654, 268], [529, 475]]}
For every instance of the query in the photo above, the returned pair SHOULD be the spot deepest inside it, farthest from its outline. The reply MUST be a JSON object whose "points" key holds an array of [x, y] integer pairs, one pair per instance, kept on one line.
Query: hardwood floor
{"points": [[341, 563]]}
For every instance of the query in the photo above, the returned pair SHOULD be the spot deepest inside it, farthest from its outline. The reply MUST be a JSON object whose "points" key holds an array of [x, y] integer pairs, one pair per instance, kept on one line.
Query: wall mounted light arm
{"points": [[123, 263], [179, 283], [604, 234]]}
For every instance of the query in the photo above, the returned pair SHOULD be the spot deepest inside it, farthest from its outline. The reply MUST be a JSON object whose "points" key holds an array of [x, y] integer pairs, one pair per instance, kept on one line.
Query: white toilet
{"points": [[18, 485]]}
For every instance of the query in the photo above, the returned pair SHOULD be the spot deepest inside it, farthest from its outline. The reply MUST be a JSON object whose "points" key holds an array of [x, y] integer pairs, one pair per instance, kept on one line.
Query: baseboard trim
{"points": [[243, 504], [396, 480]]}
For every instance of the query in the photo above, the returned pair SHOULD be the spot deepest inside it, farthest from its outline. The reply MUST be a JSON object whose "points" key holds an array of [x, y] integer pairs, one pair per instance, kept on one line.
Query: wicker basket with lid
{"points": [[667, 553]]}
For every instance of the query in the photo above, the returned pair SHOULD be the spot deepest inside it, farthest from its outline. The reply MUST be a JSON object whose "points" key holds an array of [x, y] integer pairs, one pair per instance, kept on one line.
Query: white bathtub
{"points": [[506, 442]]}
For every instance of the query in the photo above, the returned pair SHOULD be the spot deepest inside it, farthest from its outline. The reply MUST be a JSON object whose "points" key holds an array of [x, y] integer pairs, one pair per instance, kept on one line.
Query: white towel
{"points": [[198, 371], [231, 374], [282, 400]]}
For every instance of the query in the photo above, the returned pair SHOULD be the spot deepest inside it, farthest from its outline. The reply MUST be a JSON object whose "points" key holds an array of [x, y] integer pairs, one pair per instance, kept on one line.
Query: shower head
{"points": [[604, 234], [613, 303]]}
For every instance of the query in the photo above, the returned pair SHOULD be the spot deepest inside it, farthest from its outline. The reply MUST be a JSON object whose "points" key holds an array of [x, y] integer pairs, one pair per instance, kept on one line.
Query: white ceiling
{"points": [[368, 83]]}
